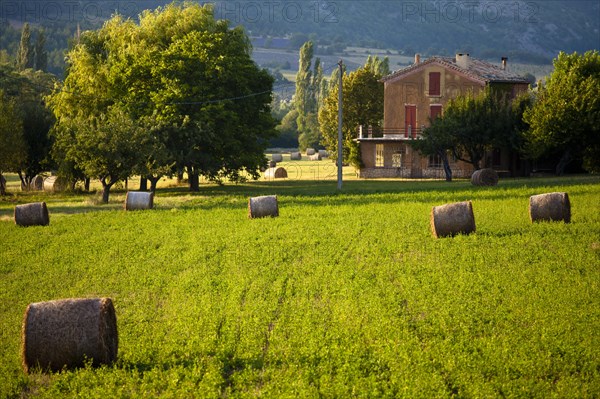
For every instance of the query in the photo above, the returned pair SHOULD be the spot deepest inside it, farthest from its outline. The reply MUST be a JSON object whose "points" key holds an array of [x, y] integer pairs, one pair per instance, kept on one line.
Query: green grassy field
{"points": [[343, 295]]}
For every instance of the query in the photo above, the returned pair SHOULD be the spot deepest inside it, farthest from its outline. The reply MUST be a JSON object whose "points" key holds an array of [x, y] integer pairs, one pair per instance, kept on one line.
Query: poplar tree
{"points": [[306, 99], [25, 52], [41, 55]]}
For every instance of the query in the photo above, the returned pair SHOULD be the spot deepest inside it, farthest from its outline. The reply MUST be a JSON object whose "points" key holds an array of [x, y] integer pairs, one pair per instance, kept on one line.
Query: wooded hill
{"points": [[525, 31]]}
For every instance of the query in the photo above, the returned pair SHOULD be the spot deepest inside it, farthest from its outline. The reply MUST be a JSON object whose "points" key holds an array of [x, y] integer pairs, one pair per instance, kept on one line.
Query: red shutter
{"points": [[435, 111], [434, 83]]}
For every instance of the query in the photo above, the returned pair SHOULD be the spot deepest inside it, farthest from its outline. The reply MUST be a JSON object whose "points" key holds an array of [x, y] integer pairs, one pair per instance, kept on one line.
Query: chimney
{"points": [[417, 58], [462, 60], [504, 59]]}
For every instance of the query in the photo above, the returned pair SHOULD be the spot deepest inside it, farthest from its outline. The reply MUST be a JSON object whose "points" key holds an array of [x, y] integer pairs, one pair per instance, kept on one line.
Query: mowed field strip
{"points": [[343, 295]]}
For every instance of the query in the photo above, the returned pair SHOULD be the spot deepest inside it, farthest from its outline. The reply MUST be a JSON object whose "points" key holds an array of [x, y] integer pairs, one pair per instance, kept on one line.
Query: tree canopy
{"points": [[308, 97], [362, 105], [184, 78], [13, 149], [566, 115], [470, 126]]}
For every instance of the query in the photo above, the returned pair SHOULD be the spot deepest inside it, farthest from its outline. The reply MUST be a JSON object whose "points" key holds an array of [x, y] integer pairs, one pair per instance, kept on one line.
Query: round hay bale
{"points": [[34, 214], [323, 153], [550, 207], [315, 157], [452, 219], [37, 183], [277, 157], [295, 156], [139, 200], [310, 151], [265, 206], [276, 173], [54, 183], [69, 332], [484, 177]]}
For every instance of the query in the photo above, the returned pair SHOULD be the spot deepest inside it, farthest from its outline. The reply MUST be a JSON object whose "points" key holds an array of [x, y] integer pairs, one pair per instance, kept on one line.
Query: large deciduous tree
{"points": [[186, 79], [362, 105], [13, 149], [566, 114], [470, 126], [28, 89]]}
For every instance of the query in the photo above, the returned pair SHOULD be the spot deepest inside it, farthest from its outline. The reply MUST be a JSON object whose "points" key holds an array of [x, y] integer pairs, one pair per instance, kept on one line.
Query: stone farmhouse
{"points": [[419, 92]]}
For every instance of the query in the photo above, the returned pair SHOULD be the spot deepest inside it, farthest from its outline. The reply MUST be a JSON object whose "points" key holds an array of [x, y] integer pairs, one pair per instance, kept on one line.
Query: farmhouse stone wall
{"points": [[427, 173]]}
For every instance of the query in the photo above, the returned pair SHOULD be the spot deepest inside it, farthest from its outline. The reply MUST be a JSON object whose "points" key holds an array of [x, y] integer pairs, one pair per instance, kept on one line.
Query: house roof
{"points": [[482, 71]]}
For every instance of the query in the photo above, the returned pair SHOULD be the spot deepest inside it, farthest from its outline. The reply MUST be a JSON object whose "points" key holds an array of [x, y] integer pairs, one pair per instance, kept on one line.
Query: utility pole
{"points": [[340, 148]]}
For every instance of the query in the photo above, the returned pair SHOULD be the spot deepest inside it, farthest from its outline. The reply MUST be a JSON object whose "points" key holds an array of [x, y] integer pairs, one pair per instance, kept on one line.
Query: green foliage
{"points": [[363, 105], [472, 125], [368, 304], [27, 89], [25, 54], [41, 55], [307, 99], [185, 76], [13, 148], [566, 115]]}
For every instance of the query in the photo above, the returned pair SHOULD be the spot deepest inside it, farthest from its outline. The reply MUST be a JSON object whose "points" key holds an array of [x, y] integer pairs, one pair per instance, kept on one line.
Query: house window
{"points": [[379, 155], [435, 111], [435, 161], [434, 83]]}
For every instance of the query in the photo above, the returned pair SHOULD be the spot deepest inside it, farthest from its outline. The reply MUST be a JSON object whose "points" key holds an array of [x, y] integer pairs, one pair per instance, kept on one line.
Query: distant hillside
{"points": [[526, 31]]}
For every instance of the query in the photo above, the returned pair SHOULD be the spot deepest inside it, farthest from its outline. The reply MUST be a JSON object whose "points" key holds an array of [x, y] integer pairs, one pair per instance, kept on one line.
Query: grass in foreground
{"points": [[343, 295]]}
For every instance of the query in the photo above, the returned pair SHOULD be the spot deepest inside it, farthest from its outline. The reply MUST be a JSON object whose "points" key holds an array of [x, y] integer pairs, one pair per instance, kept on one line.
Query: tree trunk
{"points": [[86, 184], [24, 185], [194, 181], [179, 176], [447, 169], [562, 164], [153, 182], [143, 184], [106, 189], [2, 185], [126, 184]]}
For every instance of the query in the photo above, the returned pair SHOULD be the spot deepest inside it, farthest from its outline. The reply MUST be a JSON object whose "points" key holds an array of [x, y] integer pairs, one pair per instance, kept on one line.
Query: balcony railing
{"points": [[372, 132]]}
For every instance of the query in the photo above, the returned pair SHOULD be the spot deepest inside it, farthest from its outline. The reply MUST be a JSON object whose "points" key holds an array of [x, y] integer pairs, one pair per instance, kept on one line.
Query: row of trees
{"points": [[177, 92]]}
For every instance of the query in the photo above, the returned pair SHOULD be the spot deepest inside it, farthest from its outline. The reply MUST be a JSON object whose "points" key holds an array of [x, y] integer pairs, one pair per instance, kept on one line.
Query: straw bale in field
{"points": [[139, 200], [452, 219], [484, 177], [315, 157], [276, 173], [33, 214], [323, 153], [66, 333], [54, 183], [295, 156], [550, 207], [260, 207], [310, 151], [277, 157], [37, 183]]}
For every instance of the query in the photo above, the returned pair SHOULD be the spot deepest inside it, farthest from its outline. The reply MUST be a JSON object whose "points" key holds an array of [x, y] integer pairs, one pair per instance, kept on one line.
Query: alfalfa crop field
{"points": [[343, 295]]}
